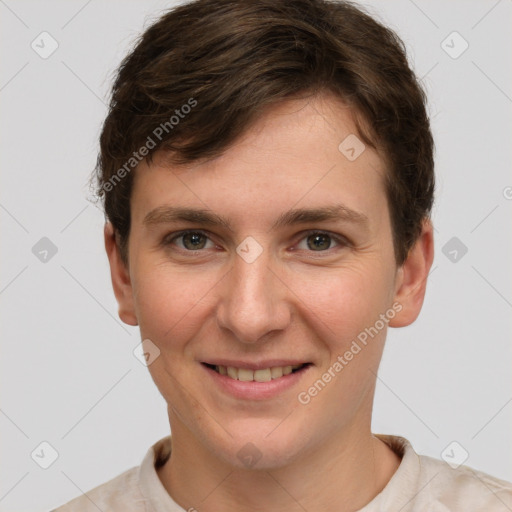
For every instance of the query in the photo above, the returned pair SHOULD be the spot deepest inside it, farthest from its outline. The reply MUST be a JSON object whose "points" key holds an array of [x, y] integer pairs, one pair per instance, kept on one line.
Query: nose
{"points": [[255, 300]]}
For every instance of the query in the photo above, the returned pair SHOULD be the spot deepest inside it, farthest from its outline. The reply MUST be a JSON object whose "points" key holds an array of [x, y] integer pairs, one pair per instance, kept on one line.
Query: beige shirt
{"points": [[420, 484]]}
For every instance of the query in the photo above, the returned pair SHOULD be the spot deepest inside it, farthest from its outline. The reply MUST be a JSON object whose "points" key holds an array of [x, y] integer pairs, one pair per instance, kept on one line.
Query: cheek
{"points": [[169, 303], [342, 311], [342, 302]]}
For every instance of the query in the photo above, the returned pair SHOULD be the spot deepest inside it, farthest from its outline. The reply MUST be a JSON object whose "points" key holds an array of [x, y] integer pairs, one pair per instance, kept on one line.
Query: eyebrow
{"points": [[338, 212]]}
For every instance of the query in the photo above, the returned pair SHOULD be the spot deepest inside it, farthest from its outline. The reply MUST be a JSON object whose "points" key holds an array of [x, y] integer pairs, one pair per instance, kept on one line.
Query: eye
{"points": [[190, 240], [320, 241], [196, 240]]}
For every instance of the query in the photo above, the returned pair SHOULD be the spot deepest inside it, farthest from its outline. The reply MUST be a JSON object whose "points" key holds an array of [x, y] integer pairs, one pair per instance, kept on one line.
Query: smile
{"points": [[259, 375], [261, 380]]}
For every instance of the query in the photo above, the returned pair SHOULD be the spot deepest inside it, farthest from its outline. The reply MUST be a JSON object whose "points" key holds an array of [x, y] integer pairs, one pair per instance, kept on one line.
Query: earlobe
{"points": [[121, 281], [412, 277]]}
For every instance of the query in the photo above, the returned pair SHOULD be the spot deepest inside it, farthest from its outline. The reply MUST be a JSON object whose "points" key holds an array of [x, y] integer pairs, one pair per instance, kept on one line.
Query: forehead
{"points": [[298, 153]]}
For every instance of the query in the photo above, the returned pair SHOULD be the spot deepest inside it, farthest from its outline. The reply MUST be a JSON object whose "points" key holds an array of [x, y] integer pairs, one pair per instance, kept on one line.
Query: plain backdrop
{"points": [[68, 374]]}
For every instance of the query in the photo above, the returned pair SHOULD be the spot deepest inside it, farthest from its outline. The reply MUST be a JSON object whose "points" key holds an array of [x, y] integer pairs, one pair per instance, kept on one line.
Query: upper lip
{"points": [[253, 365]]}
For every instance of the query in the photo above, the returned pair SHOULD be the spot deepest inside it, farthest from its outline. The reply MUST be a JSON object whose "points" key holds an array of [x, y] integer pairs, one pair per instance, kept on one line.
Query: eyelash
{"points": [[341, 241]]}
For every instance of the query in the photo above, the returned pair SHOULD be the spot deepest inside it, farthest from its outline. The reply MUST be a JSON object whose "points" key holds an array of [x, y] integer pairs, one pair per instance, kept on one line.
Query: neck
{"points": [[345, 473]]}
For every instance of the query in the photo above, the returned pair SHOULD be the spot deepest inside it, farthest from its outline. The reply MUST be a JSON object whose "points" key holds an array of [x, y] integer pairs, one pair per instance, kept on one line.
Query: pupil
{"points": [[319, 242], [194, 239]]}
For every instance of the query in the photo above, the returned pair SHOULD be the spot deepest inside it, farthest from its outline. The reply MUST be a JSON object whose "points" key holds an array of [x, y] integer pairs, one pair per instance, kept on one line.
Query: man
{"points": [[267, 175]]}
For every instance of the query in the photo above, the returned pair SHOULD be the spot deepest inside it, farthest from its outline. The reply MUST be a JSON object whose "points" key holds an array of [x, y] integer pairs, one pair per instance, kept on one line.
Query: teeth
{"points": [[276, 372], [261, 375], [265, 375], [245, 375]]}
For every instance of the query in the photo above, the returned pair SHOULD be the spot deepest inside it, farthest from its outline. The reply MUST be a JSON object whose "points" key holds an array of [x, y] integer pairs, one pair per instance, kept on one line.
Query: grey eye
{"points": [[319, 241], [194, 241]]}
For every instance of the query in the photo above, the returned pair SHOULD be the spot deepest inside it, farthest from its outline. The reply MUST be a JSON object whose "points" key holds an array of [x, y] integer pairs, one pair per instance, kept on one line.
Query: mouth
{"points": [[257, 375]]}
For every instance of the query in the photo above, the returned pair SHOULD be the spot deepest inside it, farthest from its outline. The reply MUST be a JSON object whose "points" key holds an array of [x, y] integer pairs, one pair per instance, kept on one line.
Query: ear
{"points": [[411, 279], [120, 275]]}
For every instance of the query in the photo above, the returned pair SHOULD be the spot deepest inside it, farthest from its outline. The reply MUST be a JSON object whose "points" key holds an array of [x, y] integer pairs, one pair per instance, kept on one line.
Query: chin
{"points": [[260, 447]]}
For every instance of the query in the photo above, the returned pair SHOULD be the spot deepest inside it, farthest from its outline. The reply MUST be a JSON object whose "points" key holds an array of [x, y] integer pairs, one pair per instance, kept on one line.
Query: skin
{"points": [[293, 301]]}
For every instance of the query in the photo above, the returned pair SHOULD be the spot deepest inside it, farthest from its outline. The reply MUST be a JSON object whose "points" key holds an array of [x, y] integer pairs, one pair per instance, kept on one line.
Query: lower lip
{"points": [[253, 390]]}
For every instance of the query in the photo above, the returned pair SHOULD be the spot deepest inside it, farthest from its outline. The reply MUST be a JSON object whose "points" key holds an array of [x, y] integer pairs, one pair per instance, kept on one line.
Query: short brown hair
{"points": [[226, 60]]}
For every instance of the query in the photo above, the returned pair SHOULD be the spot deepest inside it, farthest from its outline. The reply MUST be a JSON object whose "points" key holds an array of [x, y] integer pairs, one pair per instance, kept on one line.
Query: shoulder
{"points": [[426, 484], [465, 488], [136, 490], [121, 491]]}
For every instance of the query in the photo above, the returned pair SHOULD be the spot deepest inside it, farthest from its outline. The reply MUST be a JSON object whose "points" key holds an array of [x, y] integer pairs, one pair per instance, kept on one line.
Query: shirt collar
{"points": [[400, 490]]}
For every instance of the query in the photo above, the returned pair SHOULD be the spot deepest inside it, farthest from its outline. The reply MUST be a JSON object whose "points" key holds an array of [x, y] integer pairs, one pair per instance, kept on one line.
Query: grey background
{"points": [[68, 374]]}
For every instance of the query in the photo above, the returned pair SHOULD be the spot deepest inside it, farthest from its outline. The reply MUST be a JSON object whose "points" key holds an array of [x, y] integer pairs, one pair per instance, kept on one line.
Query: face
{"points": [[291, 266]]}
